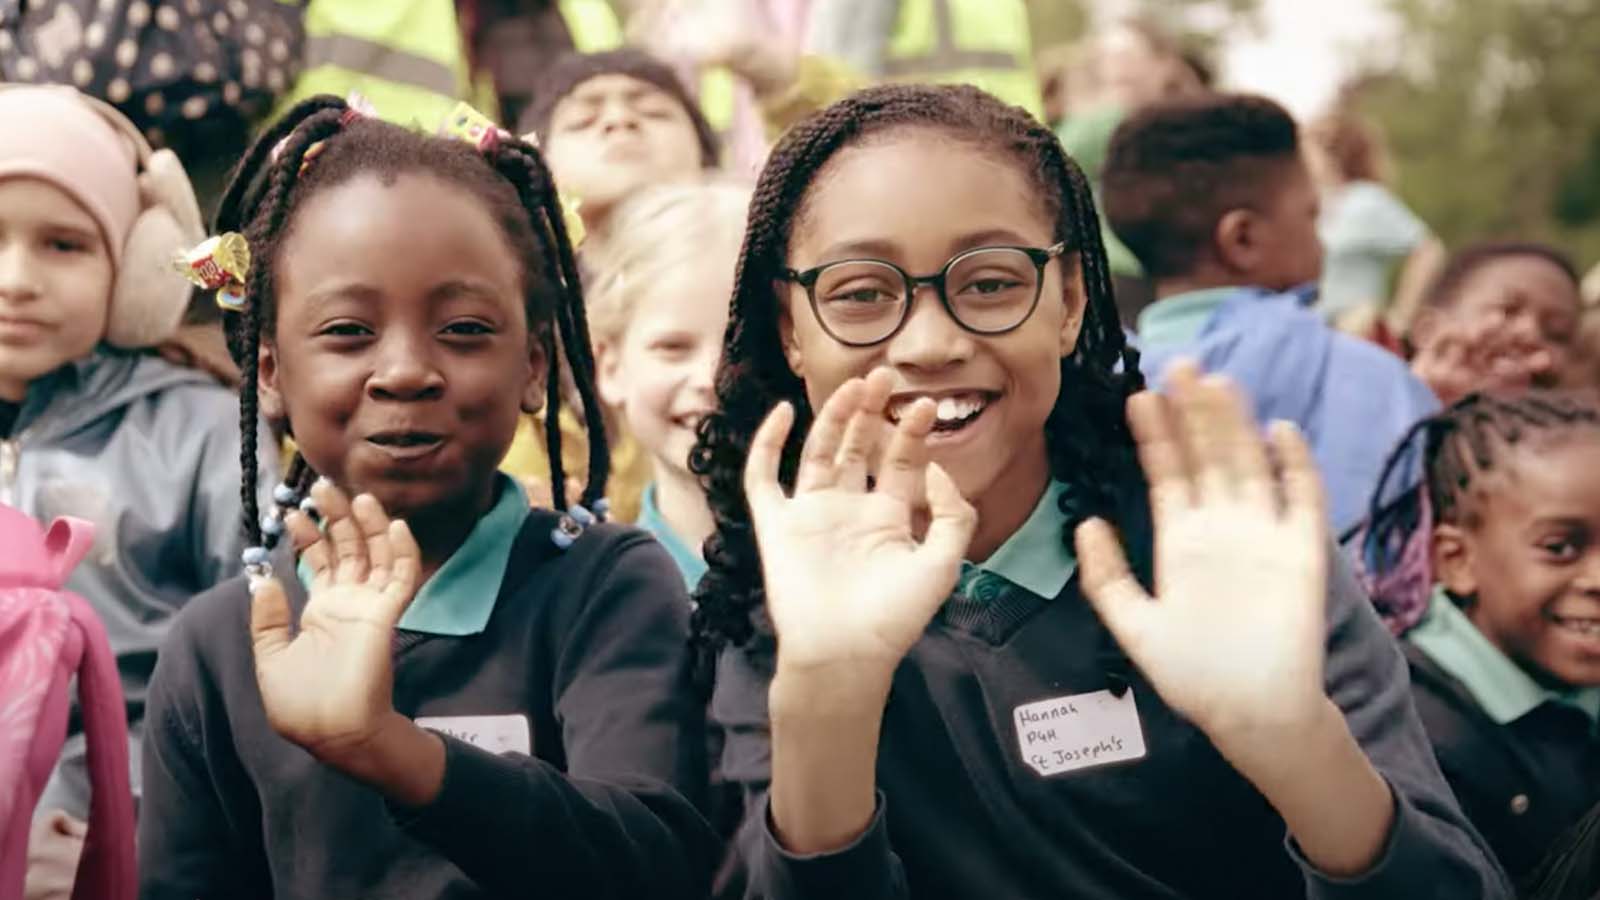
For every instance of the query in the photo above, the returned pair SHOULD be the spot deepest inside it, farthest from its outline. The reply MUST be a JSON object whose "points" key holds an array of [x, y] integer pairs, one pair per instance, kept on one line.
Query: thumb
{"points": [[952, 518], [1117, 597], [66, 824], [269, 617]]}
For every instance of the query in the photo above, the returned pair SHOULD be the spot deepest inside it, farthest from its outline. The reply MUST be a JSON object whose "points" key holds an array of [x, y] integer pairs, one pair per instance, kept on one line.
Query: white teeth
{"points": [[1582, 626], [947, 409]]}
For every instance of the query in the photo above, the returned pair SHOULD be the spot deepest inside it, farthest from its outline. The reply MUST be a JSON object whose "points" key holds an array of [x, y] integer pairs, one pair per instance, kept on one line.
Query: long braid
{"points": [[536, 187], [1444, 456], [1089, 443]]}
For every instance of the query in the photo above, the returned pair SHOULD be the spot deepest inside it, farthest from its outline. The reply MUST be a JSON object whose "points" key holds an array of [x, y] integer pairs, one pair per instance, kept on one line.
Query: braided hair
{"points": [[1089, 444], [1453, 450], [276, 177]]}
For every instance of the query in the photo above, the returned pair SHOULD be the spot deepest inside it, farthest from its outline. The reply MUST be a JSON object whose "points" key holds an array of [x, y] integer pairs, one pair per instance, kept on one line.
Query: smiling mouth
{"points": [[407, 444], [952, 411], [1588, 626]]}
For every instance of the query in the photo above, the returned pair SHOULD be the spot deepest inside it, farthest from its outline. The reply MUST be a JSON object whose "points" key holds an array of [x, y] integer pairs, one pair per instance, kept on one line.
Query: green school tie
{"points": [[979, 585]]}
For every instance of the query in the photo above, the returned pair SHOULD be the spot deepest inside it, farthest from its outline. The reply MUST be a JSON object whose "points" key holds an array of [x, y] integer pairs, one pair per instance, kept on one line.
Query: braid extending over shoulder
{"points": [[1090, 446], [512, 184]]}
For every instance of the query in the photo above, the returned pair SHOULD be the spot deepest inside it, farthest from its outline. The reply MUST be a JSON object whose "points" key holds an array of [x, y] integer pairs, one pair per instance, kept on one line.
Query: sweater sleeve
{"points": [[622, 819], [1432, 851], [758, 866], [183, 833]]}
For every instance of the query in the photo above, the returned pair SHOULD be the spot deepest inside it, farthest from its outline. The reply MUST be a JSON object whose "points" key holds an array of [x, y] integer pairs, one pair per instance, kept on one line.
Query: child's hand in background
{"points": [[849, 586], [1234, 641], [1456, 359], [327, 686]]}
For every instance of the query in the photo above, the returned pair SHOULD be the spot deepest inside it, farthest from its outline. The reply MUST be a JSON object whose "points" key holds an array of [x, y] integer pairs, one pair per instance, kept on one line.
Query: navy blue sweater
{"points": [[588, 644], [961, 815]]}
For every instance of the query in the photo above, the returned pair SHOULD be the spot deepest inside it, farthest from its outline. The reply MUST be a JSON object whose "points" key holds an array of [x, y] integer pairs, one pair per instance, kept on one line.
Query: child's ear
{"points": [[1236, 241], [1075, 303], [533, 391], [791, 347], [608, 372], [1452, 560], [269, 397]]}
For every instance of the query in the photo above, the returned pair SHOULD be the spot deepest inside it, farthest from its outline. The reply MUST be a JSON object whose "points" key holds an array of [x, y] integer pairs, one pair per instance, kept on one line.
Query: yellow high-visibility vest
{"points": [[979, 42]]}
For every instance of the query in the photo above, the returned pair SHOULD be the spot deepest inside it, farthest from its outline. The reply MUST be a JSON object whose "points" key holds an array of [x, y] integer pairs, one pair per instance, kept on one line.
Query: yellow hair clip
{"points": [[467, 124], [221, 264]]}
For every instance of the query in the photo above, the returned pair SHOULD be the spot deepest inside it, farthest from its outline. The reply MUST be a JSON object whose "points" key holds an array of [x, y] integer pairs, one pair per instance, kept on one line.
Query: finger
{"points": [[952, 518], [1303, 494], [822, 443], [864, 432], [904, 466], [374, 524], [269, 618], [349, 552], [1244, 456], [67, 825], [405, 570], [1195, 409], [314, 548], [761, 488], [1160, 454], [1117, 597]]}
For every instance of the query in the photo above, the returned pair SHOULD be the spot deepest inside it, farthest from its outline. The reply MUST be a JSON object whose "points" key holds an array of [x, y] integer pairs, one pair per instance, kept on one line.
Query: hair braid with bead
{"points": [[1090, 446]]}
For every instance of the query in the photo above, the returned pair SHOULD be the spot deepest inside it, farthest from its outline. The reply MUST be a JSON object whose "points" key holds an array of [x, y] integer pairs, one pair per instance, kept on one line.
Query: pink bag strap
{"points": [[107, 870]]}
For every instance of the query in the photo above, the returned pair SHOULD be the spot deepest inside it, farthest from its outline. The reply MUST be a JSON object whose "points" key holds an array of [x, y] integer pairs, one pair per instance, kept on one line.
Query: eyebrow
{"points": [[887, 249], [632, 94], [369, 295]]}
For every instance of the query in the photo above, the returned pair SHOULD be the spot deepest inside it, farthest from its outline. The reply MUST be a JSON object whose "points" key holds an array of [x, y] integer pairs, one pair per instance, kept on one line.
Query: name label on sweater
{"points": [[1081, 731], [496, 734]]}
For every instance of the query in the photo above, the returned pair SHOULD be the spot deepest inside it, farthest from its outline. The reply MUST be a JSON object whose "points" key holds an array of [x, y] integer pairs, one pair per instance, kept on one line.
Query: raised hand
{"points": [[1234, 639], [1457, 359], [328, 688], [849, 584]]}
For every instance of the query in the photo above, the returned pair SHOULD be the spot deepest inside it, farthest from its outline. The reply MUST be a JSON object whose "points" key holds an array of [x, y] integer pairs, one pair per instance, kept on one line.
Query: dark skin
{"points": [[394, 347], [401, 325]]}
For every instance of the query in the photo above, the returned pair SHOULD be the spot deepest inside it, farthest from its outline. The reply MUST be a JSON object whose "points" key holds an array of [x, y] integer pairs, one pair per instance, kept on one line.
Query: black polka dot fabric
{"points": [[169, 65]]}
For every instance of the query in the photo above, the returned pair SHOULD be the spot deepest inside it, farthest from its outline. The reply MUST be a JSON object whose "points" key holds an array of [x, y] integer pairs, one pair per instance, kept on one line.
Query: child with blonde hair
{"points": [[657, 314]]}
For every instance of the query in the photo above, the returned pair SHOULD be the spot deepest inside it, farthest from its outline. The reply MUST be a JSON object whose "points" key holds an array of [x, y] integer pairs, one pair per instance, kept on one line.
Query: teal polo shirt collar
{"points": [[1034, 557], [459, 598], [1180, 318], [689, 563], [1500, 686]]}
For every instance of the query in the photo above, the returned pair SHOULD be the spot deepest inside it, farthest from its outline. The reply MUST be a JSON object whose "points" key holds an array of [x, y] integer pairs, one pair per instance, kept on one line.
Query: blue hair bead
{"points": [[309, 507], [602, 508], [581, 515], [254, 556], [566, 533], [272, 524], [283, 495], [258, 571]]}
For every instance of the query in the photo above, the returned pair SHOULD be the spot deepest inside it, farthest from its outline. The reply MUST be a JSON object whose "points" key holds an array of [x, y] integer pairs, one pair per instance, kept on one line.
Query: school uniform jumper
{"points": [[977, 799], [1523, 759], [580, 653]]}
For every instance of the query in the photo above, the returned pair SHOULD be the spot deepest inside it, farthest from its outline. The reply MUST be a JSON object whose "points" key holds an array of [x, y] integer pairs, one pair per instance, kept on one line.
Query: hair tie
{"points": [[357, 107], [221, 264]]}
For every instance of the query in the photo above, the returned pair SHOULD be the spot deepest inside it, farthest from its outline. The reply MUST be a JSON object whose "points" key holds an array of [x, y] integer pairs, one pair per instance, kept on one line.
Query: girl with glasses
{"points": [[939, 674]]}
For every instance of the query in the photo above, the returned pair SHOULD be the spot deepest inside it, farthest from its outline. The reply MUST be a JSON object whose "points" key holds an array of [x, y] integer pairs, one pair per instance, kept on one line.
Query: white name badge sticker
{"points": [[496, 734], [1064, 734]]}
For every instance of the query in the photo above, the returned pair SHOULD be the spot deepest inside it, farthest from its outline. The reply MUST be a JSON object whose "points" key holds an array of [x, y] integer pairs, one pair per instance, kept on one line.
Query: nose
{"points": [[1588, 579], [404, 371], [930, 339], [617, 115], [19, 280]]}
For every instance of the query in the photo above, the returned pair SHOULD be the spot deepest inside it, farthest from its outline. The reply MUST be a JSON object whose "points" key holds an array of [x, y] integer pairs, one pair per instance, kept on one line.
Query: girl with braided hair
{"points": [[919, 465], [1491, 571], [443, 693]]}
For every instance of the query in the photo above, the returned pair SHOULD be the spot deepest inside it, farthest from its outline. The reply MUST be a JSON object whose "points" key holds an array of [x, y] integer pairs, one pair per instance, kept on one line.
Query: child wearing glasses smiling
{"points": [[920, 404]]}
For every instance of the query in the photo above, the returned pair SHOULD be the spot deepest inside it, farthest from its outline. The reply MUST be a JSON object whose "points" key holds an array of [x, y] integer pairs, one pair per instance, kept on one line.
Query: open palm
{"points": [[328, 686], [848, 581], [1236, 632]]}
